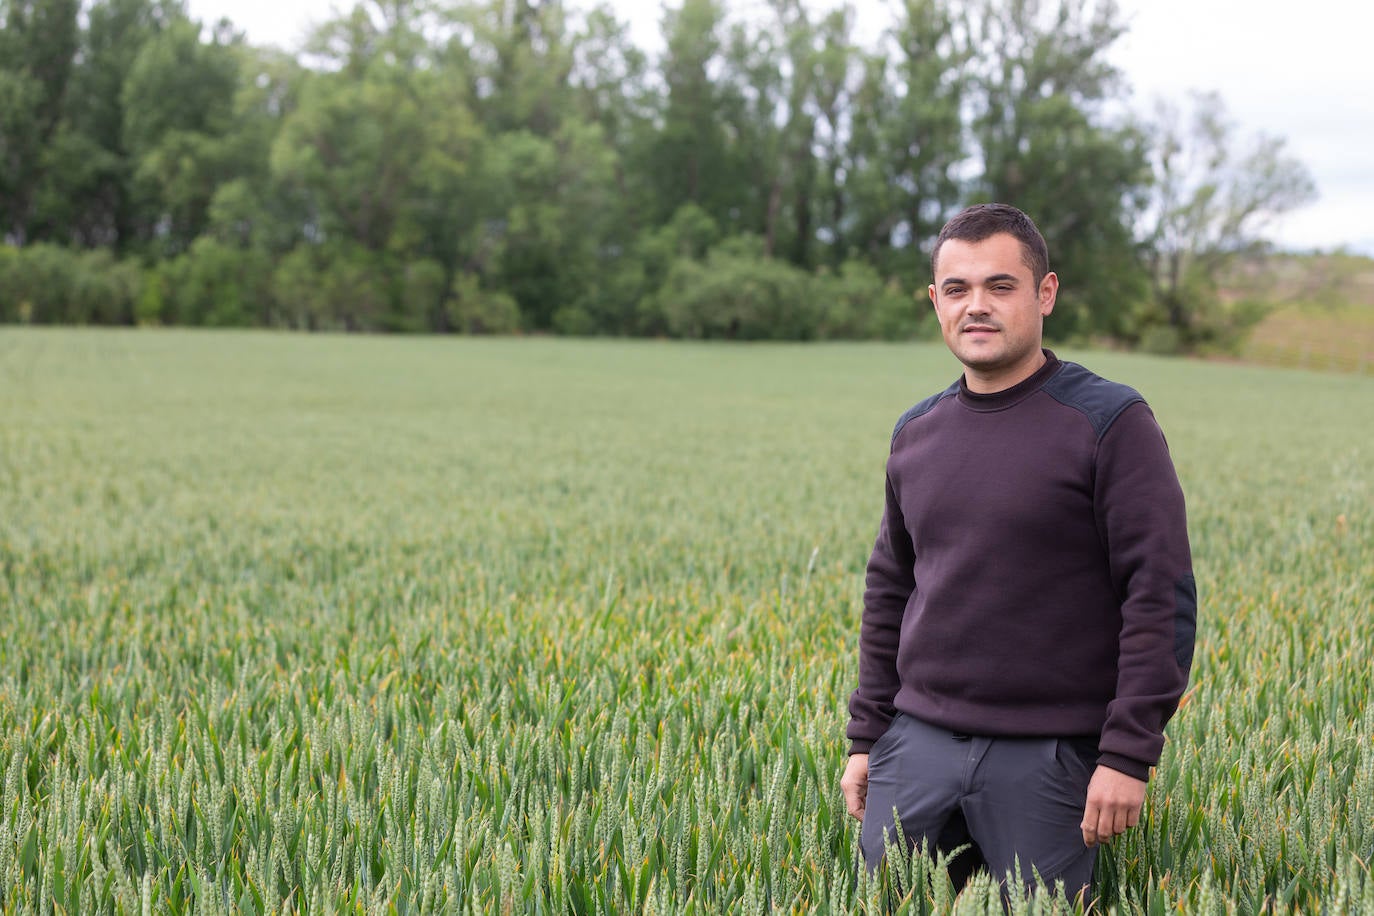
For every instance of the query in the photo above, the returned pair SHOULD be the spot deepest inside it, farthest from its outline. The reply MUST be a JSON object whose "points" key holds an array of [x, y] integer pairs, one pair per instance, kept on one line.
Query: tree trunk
{"points": [[771, 224]]}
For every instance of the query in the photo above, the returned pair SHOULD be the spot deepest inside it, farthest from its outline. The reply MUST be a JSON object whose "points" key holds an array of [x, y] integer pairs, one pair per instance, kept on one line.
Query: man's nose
{"points": [[977, 303]]}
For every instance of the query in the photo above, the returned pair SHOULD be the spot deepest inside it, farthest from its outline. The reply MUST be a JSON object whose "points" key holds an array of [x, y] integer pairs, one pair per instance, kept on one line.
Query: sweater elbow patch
{"points": [[1185, 620]]}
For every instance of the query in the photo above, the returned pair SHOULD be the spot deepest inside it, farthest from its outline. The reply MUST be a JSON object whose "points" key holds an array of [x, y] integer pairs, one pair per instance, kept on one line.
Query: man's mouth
{"points": [[979, 329]]}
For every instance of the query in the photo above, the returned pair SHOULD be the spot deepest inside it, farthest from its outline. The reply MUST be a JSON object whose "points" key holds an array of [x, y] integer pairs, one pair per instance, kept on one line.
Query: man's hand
{"points": [[1114, 801], [854, 782]]}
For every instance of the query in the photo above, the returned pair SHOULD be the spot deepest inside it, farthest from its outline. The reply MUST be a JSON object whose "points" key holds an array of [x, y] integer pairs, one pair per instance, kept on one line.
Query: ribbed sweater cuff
{"points": [[1133, 768]]}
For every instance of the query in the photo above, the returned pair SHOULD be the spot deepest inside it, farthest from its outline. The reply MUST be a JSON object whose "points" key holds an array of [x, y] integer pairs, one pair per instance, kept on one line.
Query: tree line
{"points": [[522, 165]]}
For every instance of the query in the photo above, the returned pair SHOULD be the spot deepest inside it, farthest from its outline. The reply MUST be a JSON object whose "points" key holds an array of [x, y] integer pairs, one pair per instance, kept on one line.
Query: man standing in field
{"points": [[1030, 608]]}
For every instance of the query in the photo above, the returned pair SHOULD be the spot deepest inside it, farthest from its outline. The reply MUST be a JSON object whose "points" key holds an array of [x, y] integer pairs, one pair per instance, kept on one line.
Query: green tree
{"points": [[609, 81], [493, 165], [690, 158], [253, 209], [391, 31], [356, 152], [38, 44], [87, 196], [908, 140], [347, 152], [383, 152], [517, 56], [688, 236], [553, 219], [610, 86], [766, 100], [1047, 147], [1211, 200], [178, 101], [835, 68]]}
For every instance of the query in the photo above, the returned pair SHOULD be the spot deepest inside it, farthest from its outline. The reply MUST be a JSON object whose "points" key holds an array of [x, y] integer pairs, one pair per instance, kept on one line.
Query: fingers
{"points": [[1112, 807], [854, 784], [855, 798], [1102, 825], [1091, 816], [1096, 824], [855, 802]]}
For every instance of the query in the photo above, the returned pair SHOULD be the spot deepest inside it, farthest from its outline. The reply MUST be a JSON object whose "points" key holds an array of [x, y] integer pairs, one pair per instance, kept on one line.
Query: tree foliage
{"points": [[1211, 200], [484, 166]]}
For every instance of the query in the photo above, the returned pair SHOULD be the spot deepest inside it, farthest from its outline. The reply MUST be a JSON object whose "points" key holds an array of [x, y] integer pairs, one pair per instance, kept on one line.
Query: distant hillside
{"points": [[1323, 314]]}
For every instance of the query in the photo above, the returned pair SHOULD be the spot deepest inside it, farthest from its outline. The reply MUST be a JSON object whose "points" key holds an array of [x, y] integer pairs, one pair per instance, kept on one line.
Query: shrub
{"points": [[49, 284], [297, 295], [473, 310], [739, 294], [856, 303], [41, 283], [343, 287], [421, 298], [1161, 340], [216, 284], [105, 290], [9, 283]]}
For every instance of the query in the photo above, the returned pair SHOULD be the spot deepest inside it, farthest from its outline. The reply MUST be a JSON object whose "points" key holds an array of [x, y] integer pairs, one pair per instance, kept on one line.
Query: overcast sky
{"points": [[1302, 71]]}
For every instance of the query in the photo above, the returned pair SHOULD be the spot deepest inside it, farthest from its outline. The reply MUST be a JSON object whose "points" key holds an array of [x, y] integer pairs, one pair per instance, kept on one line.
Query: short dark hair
{"points": [[982, 221]]}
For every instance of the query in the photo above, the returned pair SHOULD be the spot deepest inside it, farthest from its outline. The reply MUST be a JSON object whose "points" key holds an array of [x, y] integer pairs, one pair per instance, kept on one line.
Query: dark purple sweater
{"points": [[1032, 574]]}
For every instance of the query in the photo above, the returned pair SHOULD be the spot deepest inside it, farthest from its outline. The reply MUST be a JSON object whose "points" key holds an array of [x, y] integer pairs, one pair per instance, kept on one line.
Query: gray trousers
{"points": [[1012, 799]]}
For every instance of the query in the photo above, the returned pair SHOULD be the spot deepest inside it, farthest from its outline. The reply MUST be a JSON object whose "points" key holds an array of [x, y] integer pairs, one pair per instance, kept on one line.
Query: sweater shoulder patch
{"points": [[1099, 400], [924, 407]]}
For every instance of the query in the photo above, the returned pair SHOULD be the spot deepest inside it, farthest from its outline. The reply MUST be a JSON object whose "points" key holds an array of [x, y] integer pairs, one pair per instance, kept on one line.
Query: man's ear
{"points": [[1048, 292]]}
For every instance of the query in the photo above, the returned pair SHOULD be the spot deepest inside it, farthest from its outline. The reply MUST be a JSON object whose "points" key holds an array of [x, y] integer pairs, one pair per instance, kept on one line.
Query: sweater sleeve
{"points": [[888, 587], [1141, 519]]}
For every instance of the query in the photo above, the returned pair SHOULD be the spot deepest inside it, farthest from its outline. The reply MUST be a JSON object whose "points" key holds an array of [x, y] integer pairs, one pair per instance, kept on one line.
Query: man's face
{"points": [[991, 309]]}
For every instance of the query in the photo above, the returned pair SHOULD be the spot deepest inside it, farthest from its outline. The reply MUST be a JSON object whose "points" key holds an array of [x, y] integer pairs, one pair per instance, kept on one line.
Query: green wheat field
{"points": [[358, 624]]}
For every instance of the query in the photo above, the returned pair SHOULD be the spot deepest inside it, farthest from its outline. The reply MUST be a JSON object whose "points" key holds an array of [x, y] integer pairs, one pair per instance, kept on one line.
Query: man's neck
{"points": [[1001, 380]]}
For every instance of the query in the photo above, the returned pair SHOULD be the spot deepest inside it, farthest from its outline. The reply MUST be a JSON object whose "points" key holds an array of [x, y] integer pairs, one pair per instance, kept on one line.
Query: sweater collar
{"points": [[999, 400]]}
